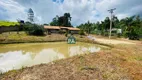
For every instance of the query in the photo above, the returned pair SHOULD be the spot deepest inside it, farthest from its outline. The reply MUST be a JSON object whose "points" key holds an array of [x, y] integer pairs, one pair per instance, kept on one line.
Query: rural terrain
{"points": [[122, 62]]}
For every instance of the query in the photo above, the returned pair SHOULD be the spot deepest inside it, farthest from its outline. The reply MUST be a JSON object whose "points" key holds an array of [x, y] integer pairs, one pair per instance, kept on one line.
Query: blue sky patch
{"points": [[58, 1], [3, 10]]}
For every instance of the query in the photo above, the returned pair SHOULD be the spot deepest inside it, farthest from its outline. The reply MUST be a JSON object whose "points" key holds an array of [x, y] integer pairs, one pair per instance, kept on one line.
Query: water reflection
{"points": [[14, 56]]}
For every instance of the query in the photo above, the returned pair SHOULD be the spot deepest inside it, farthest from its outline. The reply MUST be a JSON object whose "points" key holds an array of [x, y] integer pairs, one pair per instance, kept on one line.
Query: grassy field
{"points": [[7, 23]]}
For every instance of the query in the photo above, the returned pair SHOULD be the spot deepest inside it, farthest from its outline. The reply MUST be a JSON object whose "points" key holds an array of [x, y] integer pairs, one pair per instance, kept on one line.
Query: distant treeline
{"points": [[131, 27]]}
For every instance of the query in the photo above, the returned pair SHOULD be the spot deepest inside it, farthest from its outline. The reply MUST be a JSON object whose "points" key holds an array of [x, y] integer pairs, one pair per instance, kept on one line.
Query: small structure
{"points": [[30, 15], [64, 29], [57, 29], [115, 31], [51, 29], [73, 30], [71, 40]]}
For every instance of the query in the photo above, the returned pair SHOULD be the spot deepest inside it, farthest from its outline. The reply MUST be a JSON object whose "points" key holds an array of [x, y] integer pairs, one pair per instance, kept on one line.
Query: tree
{"points": [[81, 32], [106, 23], [115, 22], [64, 20], [131, 26], [67, 19], [55, 21], [33, 29]]}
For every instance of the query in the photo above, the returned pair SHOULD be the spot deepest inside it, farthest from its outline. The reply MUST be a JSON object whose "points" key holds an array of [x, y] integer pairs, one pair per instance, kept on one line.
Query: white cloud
{"points": [[123, 7], [12, 9], [80, 10]]}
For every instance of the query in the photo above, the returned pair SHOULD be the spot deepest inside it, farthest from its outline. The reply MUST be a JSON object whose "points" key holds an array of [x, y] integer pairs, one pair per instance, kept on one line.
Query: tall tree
{"points": [[64, 20], [67, 19], [55, 21]]}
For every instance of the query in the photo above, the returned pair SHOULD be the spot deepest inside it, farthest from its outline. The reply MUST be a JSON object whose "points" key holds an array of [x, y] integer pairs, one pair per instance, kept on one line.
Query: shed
{"points": [[52, 29], [57, 29], [73, 30]]}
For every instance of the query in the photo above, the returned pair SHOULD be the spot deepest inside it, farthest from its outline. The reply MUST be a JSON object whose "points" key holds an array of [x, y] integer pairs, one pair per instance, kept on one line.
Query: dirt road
{"points": [[112, 41]]}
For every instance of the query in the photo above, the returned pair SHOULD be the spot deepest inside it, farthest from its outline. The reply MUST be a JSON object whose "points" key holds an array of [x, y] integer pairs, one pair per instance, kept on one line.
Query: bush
{"points": [[81, 32], [119, 35], [133, 36], [33, 29], [66, 34]]}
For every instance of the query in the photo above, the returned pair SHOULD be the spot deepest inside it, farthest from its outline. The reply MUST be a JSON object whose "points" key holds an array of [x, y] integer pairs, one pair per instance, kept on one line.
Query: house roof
{"points": [[57, 27], [64, 27], [76, 29], [51, 27]]}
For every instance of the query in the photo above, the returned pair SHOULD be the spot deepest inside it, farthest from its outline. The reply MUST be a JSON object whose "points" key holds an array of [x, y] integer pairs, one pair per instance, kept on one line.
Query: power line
{"points": [[111, 12]]}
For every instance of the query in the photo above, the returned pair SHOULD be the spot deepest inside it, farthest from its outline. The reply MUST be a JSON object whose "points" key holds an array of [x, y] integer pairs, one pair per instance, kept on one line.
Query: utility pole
{"points": [[111, 12]]}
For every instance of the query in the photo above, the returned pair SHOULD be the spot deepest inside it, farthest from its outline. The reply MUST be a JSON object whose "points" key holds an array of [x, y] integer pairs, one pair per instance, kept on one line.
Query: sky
{"points": [[81, 10]]}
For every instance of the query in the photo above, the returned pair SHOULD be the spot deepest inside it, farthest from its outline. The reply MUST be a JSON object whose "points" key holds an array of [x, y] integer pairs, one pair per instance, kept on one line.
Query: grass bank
{"points": [[22, 37]]}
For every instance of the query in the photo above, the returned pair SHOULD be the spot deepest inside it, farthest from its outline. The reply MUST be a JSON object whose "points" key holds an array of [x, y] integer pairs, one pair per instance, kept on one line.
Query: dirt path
{"points": [[112, 41]]}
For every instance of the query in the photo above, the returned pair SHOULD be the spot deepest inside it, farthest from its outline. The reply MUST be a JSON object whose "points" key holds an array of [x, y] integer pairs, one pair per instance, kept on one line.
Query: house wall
{"points": [[53, 30], [74, 31], [6, 29], [64, 29]]}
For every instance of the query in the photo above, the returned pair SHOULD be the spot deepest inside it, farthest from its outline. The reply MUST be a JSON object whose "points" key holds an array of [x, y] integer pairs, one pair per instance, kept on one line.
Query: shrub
{"points": [[134, 33], [33, 29], [66, 34], [119, 35], [81, 32]]}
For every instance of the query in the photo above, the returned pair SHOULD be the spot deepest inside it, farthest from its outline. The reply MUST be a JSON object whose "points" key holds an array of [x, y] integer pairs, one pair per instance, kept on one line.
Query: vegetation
{"points": [[81, 32], [66, 33], [22, 37], [64, 20], [131, 27], [33, 29], [8, 24]]}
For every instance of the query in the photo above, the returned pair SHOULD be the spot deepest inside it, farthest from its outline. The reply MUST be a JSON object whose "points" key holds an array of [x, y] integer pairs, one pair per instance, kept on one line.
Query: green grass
{"points": [[8, 23], [139, 58]]}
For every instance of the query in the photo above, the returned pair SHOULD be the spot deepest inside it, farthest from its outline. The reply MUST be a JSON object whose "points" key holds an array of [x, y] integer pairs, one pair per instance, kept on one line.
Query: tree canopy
{"points": [[131, 26], [64, 20]]}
